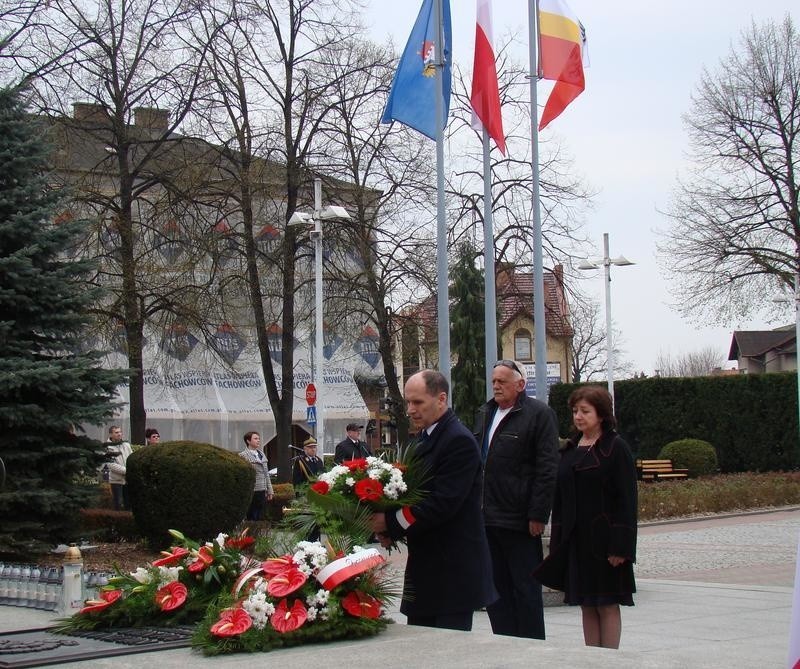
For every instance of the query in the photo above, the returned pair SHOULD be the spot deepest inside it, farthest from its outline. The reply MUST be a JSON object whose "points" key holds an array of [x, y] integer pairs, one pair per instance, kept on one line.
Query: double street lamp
{"points": [[606, 262], [314, 221]]}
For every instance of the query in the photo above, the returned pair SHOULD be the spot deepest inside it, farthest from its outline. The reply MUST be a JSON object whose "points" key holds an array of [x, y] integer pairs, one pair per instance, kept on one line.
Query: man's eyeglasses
{"points": [[510, 364]]}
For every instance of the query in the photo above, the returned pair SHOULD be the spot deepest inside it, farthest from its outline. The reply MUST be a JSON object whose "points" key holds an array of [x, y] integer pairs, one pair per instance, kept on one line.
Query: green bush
{"points": [[696, 455], [196, 488], [109, 525]]}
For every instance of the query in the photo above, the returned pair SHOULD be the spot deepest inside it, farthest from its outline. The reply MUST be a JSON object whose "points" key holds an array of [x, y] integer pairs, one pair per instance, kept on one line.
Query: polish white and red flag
{"points": [[485, 97]]}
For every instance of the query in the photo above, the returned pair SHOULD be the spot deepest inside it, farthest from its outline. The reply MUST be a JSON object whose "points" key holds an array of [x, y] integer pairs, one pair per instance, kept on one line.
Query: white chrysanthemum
{"points": [[349, 481], [324, 613], [169, 574], [390, 491], [142, 575], [321, 597], [311, 614], [375, 474], [221, 539]]}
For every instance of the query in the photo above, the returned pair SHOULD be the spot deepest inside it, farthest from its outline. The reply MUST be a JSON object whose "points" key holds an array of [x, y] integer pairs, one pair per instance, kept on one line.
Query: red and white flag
{"points": [[794, 629], [485, 97]]}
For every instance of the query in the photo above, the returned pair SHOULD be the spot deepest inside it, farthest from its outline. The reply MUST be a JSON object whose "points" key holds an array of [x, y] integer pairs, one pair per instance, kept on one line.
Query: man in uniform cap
{"points": [[307, 466], [351, 447]]}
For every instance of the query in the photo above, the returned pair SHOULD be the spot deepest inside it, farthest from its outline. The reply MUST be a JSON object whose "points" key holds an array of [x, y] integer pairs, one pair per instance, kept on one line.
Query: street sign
{"points": [[311, 415], [311, 394]]}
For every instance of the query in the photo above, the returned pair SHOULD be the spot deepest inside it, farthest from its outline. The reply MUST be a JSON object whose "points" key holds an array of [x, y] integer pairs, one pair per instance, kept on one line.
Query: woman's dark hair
{"points": [[600, 399]]}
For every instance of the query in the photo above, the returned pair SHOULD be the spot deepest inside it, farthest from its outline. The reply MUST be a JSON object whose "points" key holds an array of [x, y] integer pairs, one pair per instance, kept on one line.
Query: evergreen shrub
{"points": [[696, 455], [196, 488]]}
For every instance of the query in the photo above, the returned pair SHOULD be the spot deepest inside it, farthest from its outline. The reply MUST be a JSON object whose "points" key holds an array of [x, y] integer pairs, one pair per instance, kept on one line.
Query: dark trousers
{"points": [[451, 621], [119, 496], [519, 610], [258, 506]]}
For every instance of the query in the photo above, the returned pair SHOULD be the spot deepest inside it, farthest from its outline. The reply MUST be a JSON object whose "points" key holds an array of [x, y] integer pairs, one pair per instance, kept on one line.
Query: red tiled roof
{"points": [[515, 298]]}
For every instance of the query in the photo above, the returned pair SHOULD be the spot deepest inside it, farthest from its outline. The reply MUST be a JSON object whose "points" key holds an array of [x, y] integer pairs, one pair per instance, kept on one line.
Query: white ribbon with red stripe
{"points": [[341, 570]]}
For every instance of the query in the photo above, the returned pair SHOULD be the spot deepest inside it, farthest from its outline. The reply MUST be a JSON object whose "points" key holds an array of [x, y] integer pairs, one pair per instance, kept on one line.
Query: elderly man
{"points": [[519, 445], [448, 574], [351, 447], [118, 451]]}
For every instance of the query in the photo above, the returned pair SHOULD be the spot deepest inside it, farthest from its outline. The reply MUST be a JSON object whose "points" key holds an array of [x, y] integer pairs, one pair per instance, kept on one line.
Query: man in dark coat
{"points": [[351, 447], [448, 571], [519, 444], [307, 466]]}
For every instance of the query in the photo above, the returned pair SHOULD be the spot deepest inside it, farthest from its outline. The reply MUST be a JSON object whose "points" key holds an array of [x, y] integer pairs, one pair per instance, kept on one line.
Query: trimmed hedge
{"points": [[196, 488], [752, 419], [696, 455]]}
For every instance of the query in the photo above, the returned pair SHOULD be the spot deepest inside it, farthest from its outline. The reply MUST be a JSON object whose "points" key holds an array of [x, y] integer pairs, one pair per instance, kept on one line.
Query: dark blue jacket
{"points": [[448, 568]]}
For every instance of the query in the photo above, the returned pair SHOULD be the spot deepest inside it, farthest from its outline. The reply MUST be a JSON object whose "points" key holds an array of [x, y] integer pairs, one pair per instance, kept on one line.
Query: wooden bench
{"points": [[659, 470]]}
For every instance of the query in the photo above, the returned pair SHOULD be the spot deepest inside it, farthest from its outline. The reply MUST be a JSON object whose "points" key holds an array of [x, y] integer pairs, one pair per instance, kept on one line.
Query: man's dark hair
{"points": [[435, 382], [248, 436]]}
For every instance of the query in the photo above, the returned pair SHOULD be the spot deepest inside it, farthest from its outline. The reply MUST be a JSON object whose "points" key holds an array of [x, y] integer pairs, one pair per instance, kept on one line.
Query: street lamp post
{"points": [[314, 220], [606, 262]]}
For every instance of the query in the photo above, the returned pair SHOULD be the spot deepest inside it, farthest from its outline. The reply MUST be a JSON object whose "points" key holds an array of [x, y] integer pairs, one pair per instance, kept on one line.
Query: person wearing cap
{"points": [[518, 436], [351, 447], [307, 466]]}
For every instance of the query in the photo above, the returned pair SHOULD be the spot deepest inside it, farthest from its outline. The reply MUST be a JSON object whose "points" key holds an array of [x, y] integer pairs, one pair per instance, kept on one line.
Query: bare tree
{"points": [[268, 92], [735, 231], [122, 65], [695, 363], [589, 344]]}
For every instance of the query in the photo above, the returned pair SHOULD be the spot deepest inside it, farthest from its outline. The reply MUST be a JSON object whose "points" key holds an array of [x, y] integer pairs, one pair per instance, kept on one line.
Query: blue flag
{"points": [[411, 100]]}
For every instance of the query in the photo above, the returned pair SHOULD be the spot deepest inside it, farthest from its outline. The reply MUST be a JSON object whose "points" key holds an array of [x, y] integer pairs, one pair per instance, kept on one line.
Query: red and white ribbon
{"points": [[341, 570]]}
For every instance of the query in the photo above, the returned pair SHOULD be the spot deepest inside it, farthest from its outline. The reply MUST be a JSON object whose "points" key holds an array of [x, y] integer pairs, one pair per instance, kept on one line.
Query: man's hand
{"points": [[269, 497], [377, 523], [535, 528], [615, 560]]}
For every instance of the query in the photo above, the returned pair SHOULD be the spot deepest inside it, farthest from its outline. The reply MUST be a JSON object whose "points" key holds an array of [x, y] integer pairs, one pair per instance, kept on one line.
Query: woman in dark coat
{"points": [[593, 535]]}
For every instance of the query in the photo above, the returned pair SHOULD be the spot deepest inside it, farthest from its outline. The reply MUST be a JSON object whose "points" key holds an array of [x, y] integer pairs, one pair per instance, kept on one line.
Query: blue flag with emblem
{"points": [[412, 99]]}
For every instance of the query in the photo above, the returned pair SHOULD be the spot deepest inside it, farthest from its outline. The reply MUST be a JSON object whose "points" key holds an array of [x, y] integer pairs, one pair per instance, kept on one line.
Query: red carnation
{"points": [[285, 619], [232, 622], [361, 605], [355, 464], [320, 487], [176, 554], [107, 598], [171, 596], [368, 490]]}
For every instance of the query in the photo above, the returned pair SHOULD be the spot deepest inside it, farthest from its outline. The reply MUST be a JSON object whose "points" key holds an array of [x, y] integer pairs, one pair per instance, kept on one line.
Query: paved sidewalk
{"points": [[712, 593]]}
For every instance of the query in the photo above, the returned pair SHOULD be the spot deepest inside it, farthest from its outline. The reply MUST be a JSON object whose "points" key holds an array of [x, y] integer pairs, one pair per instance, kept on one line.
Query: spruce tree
{"points": [[49, 386], [467, 336]]}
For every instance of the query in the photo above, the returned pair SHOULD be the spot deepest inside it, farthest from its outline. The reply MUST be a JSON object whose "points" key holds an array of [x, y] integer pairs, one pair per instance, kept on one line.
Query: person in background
{"points": [[351, 447], [448, 571], [307, 466], [151, 437], [519, 444], [262, 488], [593, 536], [118, 449]]}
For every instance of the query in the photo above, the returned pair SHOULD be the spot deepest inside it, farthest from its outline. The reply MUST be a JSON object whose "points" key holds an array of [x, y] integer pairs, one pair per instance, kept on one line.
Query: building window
{"points": [[522, 345]]}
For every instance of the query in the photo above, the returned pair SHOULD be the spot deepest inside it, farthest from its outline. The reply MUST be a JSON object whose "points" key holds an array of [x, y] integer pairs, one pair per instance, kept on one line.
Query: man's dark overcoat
{"points": [[448, 568]]}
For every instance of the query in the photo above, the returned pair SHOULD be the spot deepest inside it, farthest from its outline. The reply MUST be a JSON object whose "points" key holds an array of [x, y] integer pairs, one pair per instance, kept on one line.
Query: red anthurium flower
{"points": [[283, 584], [204, 558], [285, 619], [355, 464], [232, 622], [239, 543], [320, 487], [171, 596], [361, 605], [107, 598], [275, 566], [368, 490], [171, 557]]}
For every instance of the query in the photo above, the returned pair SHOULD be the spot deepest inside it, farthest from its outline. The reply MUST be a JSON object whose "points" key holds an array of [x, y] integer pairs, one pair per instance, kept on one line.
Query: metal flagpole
{"points": [[443, 301], [538, 269], [490, 297]]}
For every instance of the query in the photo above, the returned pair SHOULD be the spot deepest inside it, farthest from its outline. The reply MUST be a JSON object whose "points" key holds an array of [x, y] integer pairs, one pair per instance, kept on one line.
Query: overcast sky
{"points": [[625, 134]]}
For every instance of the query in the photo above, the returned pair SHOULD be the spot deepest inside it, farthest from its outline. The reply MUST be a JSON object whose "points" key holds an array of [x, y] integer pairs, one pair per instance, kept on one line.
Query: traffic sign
{"points": [[311, 394], [311, 415]]}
